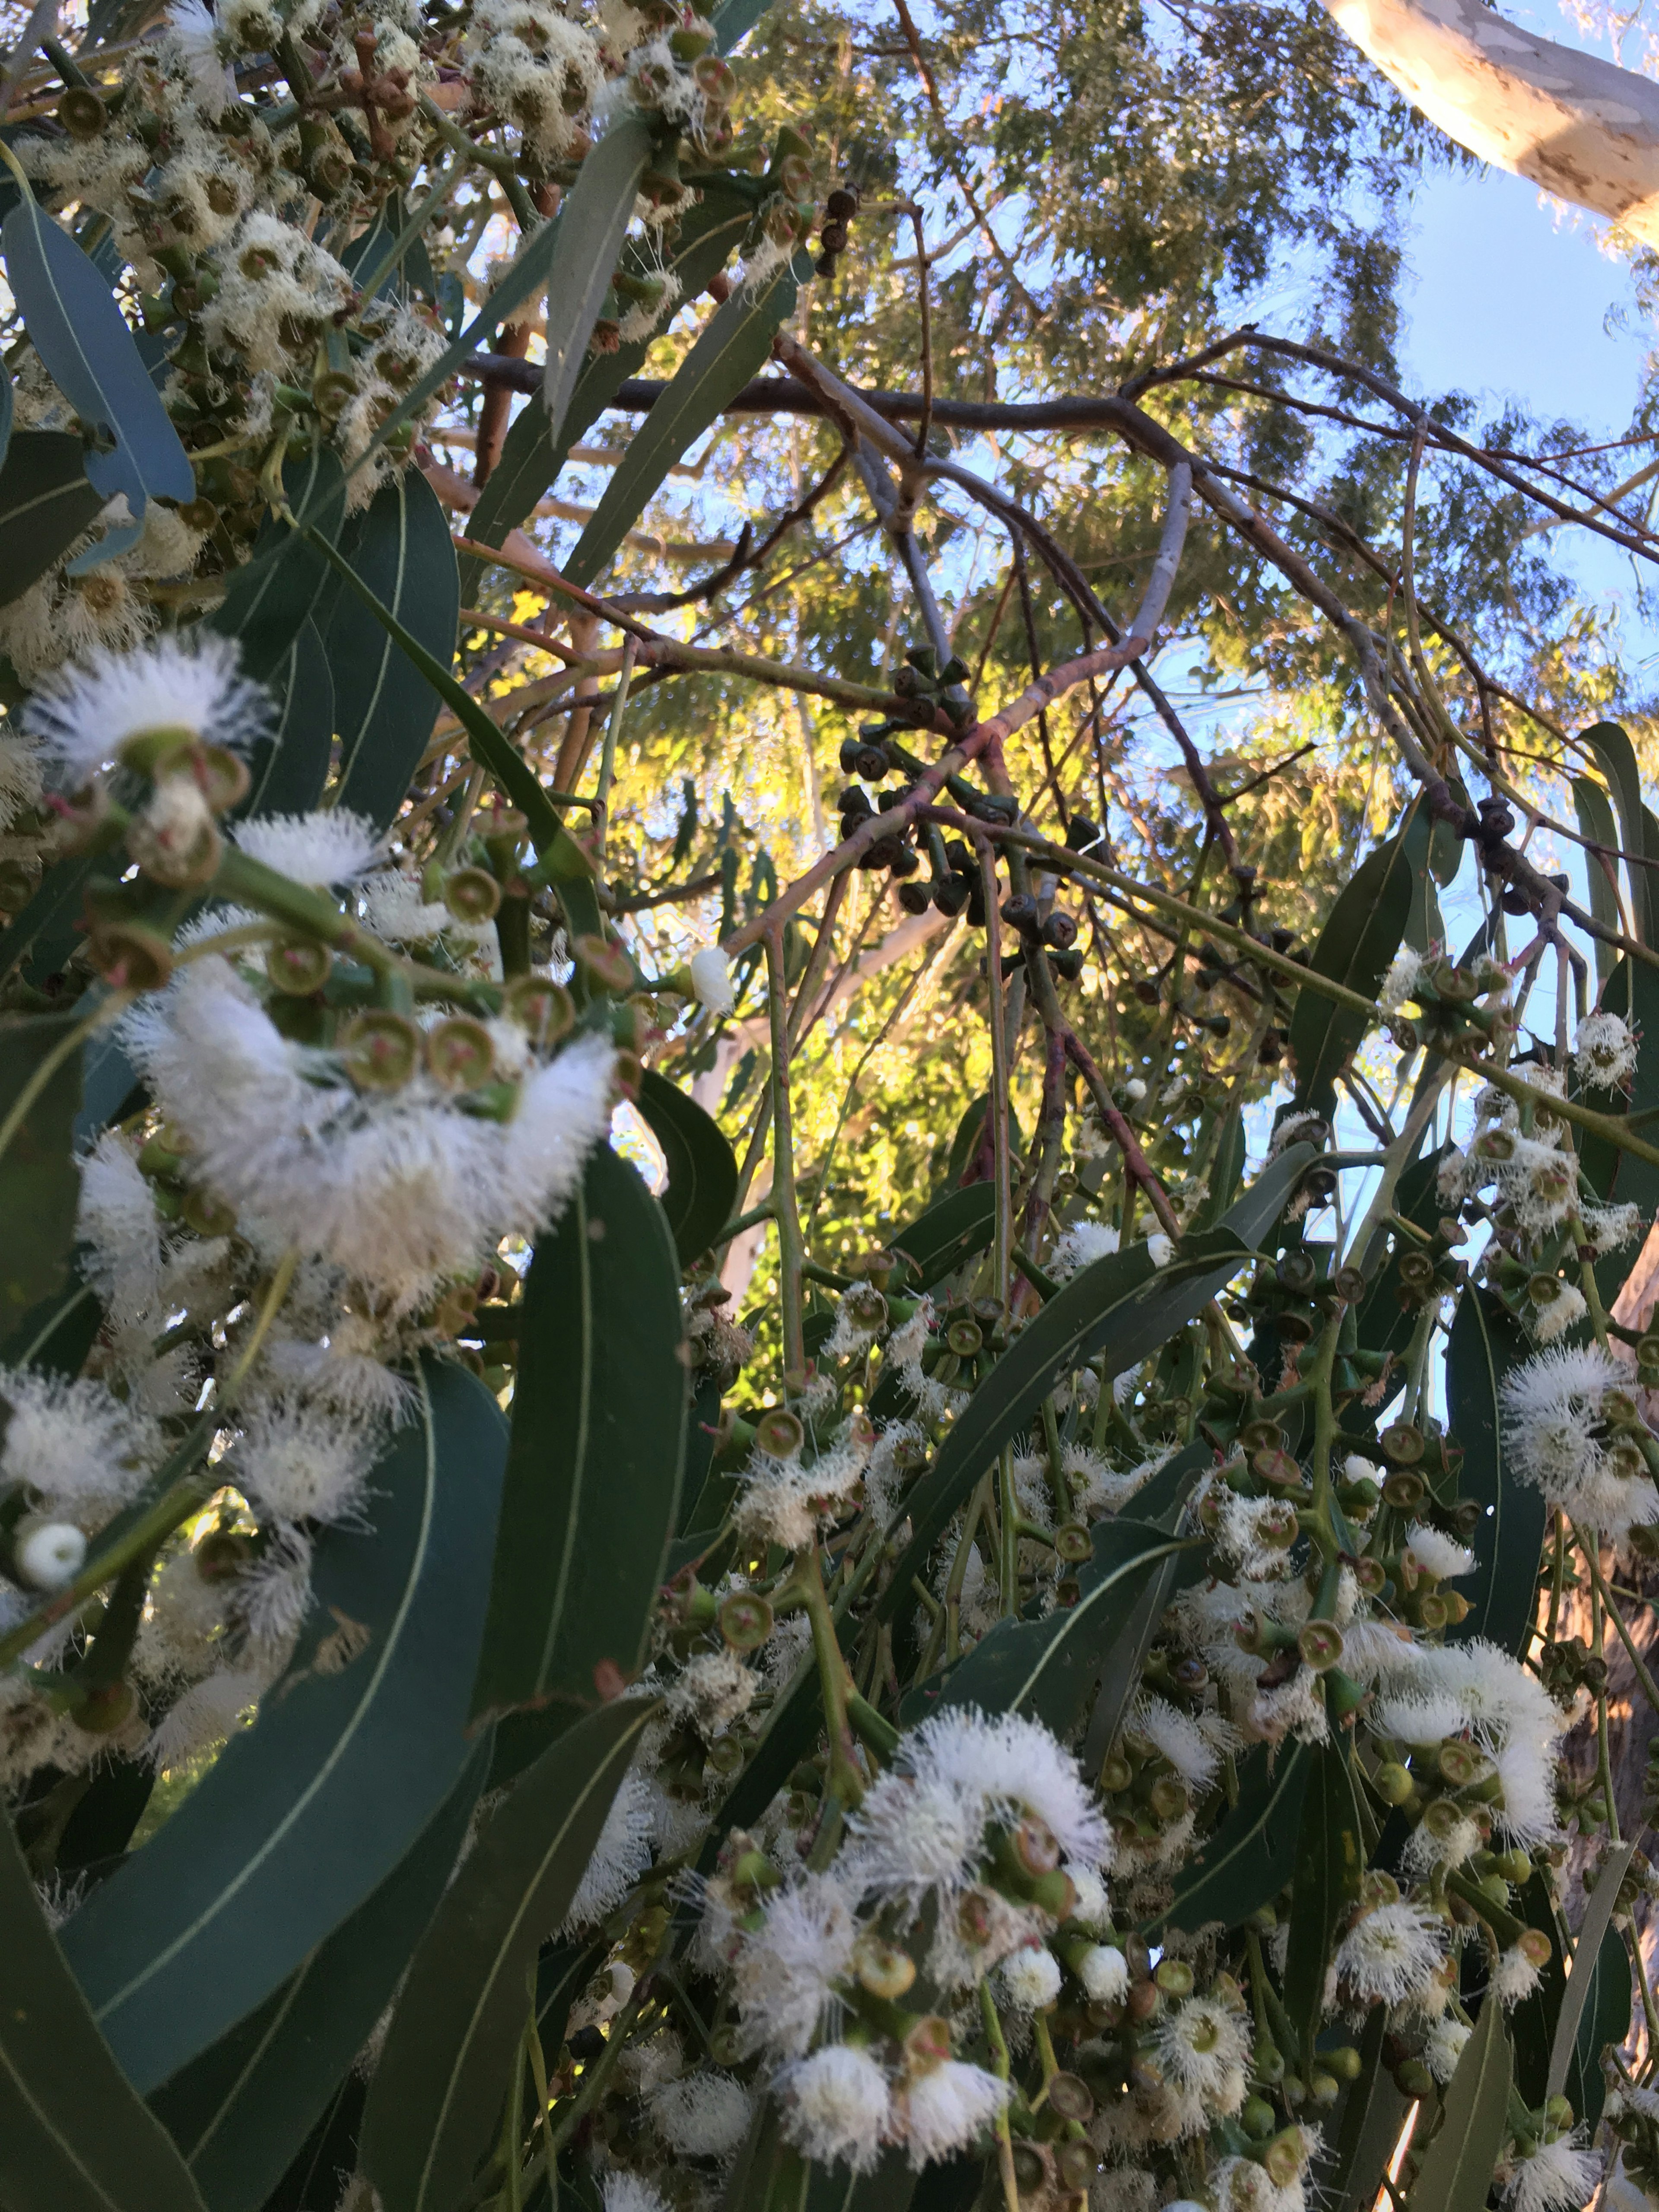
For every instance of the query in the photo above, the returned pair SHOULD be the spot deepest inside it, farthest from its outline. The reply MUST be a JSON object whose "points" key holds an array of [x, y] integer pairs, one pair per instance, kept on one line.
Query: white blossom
{"points": [[1391, 1954], [836, 2107], [333, 846], [711, 979], [1444, 2048], [948, 2108], [1442, 1555], [1079, 1245], [46, 1553], [1558, 2176], [703, 2115], [85, 714], [1605, 1051], [1028, 1978]]}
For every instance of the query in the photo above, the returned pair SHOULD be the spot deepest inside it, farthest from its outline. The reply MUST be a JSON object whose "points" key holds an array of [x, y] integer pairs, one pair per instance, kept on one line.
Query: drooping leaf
{"points": [[1330, 1857], [592, 223], [7, 404], [57, 1332], [1373, 2112], [45, 502], [1048, 1667], [39, 1187], [304, 1814], [289, 766], [1484, 1345], [384, 708], [732, 348], [1615, 756], [1252, 1854], [83, 341], [1434, 850], [1580, 2005], [74, 2136], [1385, 1324], [1455, 2174], [268, 602], [734, 19], [566, 866], [598, 1436], [1123, 1306], [438, 2086], [703, 1174], [531, 454], [241, 2112], [1596, 820], [947, 1232], [1356, 946]]}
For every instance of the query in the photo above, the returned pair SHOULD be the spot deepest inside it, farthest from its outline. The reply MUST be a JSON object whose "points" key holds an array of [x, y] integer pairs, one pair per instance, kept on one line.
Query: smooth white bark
{"points": [[1573, 123]]}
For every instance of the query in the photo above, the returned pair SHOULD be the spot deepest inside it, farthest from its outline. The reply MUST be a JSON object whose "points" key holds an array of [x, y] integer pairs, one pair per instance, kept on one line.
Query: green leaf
{"points": [[1579, 2006], [734, 19], [57, 1332], [267, 603], [45, 503], [1252, 1854], [1048, 1667], [1615, 756], [1455, 2174], [437, 2090], [1484, 1345], [734, 347], [1373, 2113], [1356, 947], [1596, 818], [531, 454], [74, 2136], [1386, 1325], [1123, 1305], [384, 711], [43, 935], [39, 1187], [289, 767], [7, 401], [567, 868], [598, 1437], [304, 1814], [1330, 1857], [890, 2188], [703, 1174], [946, 1233], [83, 341], [593, 224], [241, 2112]]}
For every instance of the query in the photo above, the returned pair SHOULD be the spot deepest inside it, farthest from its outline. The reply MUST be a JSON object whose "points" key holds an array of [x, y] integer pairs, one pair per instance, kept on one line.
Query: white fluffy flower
{"points": [[1442, 1555], [328, 846], [1401, 983], [302, 1462], [711, 979], [1179, 1739], [630, 2192], [117, 1219], [1391, 1954], [620, 1858], [714, 1690], [1104, 1973], [1092, 1908], [1553, 1406], [948, 2107], [73, 1442], [1558, 2176], [1160, 1250], [836, 2107], [1204, 2048], [46, 1555], [1514, 1977], [703, 2115], [1559, 1314], [1080, 1246], [1028, 1978], [1444, 2048], [204, 1716], [397, 909], [786, 1970], [85, 713], [1605, 1051]]}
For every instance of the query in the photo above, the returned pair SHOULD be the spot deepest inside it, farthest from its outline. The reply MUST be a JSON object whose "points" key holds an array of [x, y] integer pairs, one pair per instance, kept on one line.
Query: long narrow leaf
{"points": [[592, 223]]}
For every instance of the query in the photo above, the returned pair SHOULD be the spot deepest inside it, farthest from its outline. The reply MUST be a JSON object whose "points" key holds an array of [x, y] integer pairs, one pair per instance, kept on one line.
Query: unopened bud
{"points": [[46, 1553], [605, 967]]}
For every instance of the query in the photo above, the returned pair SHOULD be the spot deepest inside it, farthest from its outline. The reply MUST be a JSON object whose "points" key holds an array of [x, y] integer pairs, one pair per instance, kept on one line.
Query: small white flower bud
{"points": [[46, 1555], [1161, 1250], [1104, 1973], [711, 979]]}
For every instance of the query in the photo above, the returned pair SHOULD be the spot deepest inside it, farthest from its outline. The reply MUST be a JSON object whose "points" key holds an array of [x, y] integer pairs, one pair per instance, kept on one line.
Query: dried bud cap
{"points": [[207, 1215], [1168, 1799], [82, 113], [472, 895], [1403, 1443], [380, 1050], [605, 967], [1461, 1764], [297, 966], [1033, 2168], [745, 1620], [1070, 2096], [884, 1969], [1320, 1642], [544, 1010], [1404, 1490], [46, 1553], [130, 956], [779, 1433], [460, 1053], [1370, 1575]]}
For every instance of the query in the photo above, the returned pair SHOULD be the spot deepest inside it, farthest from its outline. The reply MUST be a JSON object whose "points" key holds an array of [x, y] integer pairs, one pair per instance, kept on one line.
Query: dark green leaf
{"points": [[45, 503], [74, 2137], [1252, 1854], [1596, 818], [241, 2112], [1123, 1306], [531, 456], [598, 1436], [83, 340], [7, 407], [58, 1332], [1580, 2004], [1330, 1858], [1484, 1345], [704, 1496], [567, 867], [290, 767], [384, 708], [732, 348], [266, 604], [1373, 2113], [1048, 1667], [734, 20], [101, 1825], [1356, 946], [592, 223], [889, 2189], [41, 938], [1615, 756], [951, 1230], [437, 2087], [39, 1187], [304, 1814], [702, 1175], [1455, 2174]]}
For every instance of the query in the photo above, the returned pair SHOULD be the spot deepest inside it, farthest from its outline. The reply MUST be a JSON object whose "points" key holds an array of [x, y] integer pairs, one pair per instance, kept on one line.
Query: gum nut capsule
{"points": [[745, 1620], [297, 966], [779, 1433], [460, 1053], [472, 895], [47, 1553], [381, 1049]]}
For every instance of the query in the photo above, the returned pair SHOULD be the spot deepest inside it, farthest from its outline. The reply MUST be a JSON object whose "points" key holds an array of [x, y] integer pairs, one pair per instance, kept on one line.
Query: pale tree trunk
{"points": [[1574, 123]]}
